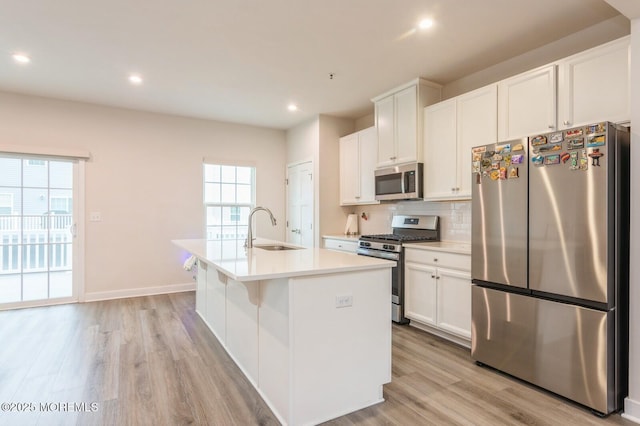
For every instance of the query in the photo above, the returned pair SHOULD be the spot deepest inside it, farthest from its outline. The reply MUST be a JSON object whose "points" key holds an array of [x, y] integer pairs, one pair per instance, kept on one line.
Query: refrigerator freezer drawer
{"points": [[560, 347]]}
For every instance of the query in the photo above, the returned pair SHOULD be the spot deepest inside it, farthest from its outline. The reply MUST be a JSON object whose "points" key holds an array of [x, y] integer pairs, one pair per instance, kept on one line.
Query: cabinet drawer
{"points": [[341, 245], [439, 258]]}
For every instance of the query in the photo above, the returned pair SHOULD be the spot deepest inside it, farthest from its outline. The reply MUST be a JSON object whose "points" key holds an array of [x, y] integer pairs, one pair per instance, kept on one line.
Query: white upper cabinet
{"points": [[594, 85], [357, 164], [407, 125], [477, 115], [349, 169], [440, 140], [385, 124], [398, 120], [451, 129], [527, 104]]}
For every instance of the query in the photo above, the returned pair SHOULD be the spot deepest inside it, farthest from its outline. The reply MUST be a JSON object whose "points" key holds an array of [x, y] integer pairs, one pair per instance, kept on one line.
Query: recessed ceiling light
{"points": [[425, 23], [292, 107], [21, 58], [135, 79]]}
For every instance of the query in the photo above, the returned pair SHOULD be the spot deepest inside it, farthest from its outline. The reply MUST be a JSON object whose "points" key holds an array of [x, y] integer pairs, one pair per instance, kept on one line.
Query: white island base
{"points": [[310, 358]]}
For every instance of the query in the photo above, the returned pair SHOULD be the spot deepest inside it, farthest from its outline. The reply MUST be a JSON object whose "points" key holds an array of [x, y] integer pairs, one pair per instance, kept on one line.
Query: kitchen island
{"points": [[309, 327]]}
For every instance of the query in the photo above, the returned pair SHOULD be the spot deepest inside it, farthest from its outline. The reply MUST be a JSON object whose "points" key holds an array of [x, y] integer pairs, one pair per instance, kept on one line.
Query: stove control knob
{"points": [[390, 247]]}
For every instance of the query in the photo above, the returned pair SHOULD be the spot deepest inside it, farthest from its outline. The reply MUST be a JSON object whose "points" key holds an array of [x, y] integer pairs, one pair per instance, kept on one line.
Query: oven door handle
{"points": [[379, 254]]}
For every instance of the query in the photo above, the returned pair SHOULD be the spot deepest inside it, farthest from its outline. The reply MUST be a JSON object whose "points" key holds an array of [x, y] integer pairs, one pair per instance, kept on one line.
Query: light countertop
{"points": [[446, 246], [231, 258]]}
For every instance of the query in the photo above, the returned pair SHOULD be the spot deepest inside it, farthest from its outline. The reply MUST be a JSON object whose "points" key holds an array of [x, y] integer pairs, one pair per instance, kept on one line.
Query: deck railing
{"points": [[36, 243]]}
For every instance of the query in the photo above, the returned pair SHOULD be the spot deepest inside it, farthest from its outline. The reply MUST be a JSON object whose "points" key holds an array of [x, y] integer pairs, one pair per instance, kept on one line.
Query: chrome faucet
{"points": [[248, 243]]}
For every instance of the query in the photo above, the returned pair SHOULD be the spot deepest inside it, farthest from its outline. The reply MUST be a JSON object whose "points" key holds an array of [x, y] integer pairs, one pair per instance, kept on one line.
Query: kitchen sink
{"points": [[274, 247]]}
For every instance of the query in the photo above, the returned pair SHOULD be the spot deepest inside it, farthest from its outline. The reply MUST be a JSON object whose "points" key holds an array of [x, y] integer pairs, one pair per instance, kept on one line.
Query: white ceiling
{"points": [[245, 60]]}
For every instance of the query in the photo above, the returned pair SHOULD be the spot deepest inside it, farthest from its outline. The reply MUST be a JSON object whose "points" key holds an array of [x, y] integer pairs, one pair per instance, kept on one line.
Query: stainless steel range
{"points": [[389, 246]]}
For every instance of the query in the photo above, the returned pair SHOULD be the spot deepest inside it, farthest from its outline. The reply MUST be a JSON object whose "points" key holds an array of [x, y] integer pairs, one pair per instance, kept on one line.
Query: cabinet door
{"points": [[242, 325], [368, 145], [349, 170], [385, 124], [477, 124], [406, 125], [201, 289], [594, 85], [454, 302], [216, 303], [440, 150], [527, 104], [420, 292]]}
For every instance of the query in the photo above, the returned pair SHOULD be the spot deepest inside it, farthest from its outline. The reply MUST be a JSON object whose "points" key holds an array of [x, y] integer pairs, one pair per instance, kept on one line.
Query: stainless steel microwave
{"points": [[402, 182]]}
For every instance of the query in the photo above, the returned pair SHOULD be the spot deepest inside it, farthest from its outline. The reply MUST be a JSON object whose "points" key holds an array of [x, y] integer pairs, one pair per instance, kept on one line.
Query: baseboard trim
{"points": [[440, 333], [631, 410], [137, 292]]}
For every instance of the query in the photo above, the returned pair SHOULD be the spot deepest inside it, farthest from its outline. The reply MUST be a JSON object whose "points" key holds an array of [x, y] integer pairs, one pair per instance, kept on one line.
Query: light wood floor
{"points": [[152, 361]]}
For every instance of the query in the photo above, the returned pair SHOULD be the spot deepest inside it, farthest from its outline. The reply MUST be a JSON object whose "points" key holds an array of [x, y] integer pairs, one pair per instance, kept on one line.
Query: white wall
{"points": [[596, 35], [366, 121], [145, 177], [632, 403], [455, 217], [302, 141], [328, 189]]}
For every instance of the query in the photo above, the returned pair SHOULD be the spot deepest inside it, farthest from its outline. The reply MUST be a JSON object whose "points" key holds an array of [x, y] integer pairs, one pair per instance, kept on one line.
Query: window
{"points": [[229, 194], [6, 204], [61, 205]]}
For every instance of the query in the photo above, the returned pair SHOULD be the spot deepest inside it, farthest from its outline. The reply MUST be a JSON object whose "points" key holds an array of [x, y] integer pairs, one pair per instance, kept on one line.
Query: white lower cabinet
{"points": [[438, 293], [201, 286], [216, 309], [241, 340]]}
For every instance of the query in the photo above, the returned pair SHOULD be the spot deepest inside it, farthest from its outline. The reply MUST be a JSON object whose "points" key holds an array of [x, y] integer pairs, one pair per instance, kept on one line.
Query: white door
{"points": [[368, 144], [527, 104], [420, 292], [349, 170], [594, 86], [454, 301], [38, 246], [406, 125], [440, 150], [300, 204], [477, 117], [385, 123]]}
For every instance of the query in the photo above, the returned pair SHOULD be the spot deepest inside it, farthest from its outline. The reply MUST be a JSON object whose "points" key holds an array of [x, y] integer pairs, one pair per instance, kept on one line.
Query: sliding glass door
{"points": [[37, 230]]}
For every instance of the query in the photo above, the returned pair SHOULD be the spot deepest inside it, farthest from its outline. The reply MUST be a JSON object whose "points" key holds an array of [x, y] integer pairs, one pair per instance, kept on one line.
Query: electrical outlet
{"points": [[95, 217], [344, 301]]}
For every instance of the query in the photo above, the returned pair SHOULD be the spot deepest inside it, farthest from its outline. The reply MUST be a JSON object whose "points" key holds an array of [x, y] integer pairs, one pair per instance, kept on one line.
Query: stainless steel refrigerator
{"points": [[550, 257]]}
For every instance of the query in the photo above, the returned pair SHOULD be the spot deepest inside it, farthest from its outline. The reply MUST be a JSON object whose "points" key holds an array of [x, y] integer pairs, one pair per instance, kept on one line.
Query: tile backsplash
{"points": [[455, 217]]}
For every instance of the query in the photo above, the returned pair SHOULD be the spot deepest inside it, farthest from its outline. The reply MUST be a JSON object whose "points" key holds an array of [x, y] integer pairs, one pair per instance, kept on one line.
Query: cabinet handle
{"points": [[435, 259], [453, 190], [437, 278], [433, 276], [551, 126], [392, 158], [566, 122]]}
